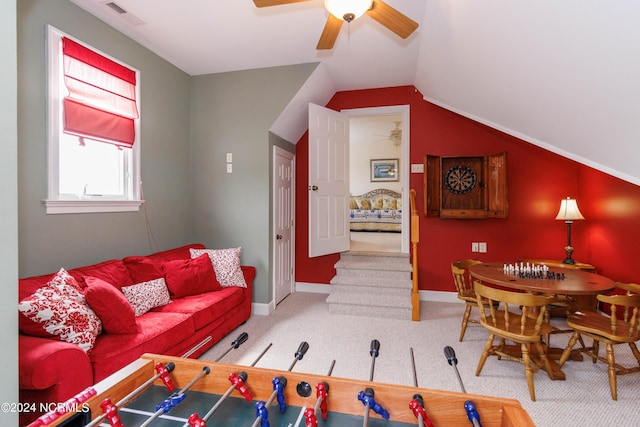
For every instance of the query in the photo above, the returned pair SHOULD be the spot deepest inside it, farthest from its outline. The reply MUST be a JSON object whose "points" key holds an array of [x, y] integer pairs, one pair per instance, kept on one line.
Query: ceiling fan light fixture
{"points": [[347, 10]]}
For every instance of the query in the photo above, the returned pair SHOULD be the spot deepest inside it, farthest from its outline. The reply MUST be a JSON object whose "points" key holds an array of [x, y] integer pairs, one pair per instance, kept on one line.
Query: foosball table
{"points": [[169, 391]]}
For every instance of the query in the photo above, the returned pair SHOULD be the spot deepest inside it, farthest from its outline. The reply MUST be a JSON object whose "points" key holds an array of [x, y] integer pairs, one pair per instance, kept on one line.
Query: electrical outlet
{"points": [[482, 247], [474, 247], [229, 168]]}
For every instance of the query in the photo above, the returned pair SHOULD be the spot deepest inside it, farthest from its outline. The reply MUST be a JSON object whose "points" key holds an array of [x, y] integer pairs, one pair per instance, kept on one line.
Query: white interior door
{"points": [[283, 214], [328, 181]]}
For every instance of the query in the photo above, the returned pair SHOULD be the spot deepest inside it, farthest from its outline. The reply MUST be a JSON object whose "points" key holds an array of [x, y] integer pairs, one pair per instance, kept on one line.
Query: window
{"points": [[93, 142]]}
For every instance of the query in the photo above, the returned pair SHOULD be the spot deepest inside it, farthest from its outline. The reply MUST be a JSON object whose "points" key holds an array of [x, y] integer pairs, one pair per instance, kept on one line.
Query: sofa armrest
{"points": [[45, 362], [249, 273]]}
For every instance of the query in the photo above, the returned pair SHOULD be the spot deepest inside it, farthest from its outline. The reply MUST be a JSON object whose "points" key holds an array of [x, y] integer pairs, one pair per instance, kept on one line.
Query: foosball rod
{"points": [[319, 401], [242, 338], [469, 406], [298, 355], [205, 371], [162, 370], [243, 377], [417, 403], [367, 396], [197, 347], [261, 354]]}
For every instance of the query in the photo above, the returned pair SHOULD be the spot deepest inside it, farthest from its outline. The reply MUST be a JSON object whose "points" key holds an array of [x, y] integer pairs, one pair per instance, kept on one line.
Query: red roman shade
{"points": [[101, 104]]}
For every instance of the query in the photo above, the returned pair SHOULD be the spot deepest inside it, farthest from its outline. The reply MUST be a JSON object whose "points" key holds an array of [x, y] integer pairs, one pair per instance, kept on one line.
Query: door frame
{"points": [[405, 167], [279, 150]]}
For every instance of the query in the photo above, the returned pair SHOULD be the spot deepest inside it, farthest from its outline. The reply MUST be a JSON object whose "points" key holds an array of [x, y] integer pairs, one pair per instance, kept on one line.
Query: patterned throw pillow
{"points": [[376, 204], [389, 203], [63, 311], [147, 295], [226, 264], [363, 204]]}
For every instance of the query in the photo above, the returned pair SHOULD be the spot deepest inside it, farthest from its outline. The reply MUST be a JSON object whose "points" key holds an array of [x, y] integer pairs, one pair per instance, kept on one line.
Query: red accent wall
{"points": [[537, 181]]}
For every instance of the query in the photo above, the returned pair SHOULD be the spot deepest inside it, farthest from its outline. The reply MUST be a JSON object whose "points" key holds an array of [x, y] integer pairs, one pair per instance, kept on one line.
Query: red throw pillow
{"points": [[143, 269], [111, 306], [194, 276]]}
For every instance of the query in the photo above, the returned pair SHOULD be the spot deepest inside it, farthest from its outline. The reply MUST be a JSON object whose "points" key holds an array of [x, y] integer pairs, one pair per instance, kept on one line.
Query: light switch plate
{"points": [[229, 157], [417, 167]]}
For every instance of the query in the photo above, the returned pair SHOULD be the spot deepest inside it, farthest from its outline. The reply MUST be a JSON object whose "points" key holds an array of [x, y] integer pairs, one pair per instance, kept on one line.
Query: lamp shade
{"points": [[347, 10], [569, 210]]}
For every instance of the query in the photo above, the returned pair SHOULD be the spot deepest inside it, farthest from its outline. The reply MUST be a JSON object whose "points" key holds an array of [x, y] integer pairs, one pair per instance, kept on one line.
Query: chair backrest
{"points": [[507, 323], [629, 288], [461, 276], [624, 321]]}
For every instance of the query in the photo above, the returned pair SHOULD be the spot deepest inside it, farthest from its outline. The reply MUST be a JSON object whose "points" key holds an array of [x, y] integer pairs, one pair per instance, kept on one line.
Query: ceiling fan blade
{"points": [[329, 33], [391, 18], [267, 3]]}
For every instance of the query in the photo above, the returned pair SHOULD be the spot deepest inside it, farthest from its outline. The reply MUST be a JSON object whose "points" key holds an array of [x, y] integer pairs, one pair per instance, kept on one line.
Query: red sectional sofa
{"points": [[51, 370]]}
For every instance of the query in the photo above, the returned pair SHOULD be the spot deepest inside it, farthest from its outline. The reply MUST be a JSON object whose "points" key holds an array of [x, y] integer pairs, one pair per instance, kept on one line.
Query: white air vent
{"points": [[122, 13]]}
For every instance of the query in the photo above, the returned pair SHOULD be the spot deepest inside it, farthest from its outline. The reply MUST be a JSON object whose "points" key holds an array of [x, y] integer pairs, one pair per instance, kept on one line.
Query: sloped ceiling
{"points": [[560, 74]]}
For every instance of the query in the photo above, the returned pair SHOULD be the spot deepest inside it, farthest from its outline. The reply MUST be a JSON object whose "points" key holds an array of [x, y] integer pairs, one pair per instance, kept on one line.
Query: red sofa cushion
{"points": [[191, 276], [178, 253], [112, 271], [111, 306], [207, 307], [143, 268], [157, 333]]}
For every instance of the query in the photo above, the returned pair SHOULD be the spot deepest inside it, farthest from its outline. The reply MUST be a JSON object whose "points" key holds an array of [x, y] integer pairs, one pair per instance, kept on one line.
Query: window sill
{"points": [[91, 206]]}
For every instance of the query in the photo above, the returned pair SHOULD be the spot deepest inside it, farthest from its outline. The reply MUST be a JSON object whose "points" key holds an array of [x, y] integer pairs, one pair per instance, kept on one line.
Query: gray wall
{"points": [[232, 113], [48, 242], [8, 211]]}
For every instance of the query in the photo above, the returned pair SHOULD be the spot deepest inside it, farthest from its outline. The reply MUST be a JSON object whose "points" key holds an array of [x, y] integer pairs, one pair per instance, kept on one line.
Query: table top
{"points": [[575, 282]]}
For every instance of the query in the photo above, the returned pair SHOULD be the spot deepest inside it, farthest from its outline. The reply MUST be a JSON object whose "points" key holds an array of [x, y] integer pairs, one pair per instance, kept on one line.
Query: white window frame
{"points": [[54, 203]]}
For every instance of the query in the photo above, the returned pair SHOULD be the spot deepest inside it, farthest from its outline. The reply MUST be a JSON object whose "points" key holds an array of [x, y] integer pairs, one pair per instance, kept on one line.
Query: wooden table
{"points": [[575, 283]]}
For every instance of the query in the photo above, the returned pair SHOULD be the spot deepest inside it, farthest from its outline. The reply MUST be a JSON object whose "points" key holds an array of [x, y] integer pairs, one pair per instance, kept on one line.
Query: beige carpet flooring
{"points": [[583, 399]]}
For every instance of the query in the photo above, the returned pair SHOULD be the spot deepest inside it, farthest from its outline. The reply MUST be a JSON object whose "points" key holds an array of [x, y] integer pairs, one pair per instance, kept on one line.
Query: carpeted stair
{"points": [[374, 284]]}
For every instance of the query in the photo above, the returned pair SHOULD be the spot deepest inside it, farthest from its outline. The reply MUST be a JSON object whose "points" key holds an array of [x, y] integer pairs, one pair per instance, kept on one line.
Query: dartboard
{"points": [[460, 179]]}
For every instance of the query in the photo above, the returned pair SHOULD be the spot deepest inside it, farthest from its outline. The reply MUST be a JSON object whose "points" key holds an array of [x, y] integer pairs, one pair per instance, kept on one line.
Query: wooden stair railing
{"points": [[415, 238]]}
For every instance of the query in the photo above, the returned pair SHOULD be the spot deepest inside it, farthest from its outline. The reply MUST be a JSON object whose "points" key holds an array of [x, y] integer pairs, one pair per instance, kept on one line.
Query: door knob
{"points": [[313, 187], [278, 236]]}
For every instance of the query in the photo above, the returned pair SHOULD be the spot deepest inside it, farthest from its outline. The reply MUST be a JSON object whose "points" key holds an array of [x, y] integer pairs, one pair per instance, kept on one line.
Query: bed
{"points": [[377, 210]]}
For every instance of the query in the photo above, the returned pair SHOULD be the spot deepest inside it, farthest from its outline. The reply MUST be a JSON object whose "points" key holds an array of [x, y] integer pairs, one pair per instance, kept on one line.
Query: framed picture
{"points": [[384, 170]]}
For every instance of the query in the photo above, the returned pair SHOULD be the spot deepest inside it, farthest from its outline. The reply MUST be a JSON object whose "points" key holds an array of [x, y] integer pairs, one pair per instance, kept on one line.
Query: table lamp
{"points": [[568, 213]]}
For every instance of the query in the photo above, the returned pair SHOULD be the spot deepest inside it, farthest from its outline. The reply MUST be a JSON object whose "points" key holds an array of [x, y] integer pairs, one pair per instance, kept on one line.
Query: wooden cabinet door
{"points": [[471, 187]]}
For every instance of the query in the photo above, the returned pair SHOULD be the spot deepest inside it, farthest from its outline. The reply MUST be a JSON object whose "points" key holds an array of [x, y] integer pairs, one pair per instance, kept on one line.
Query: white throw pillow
{"points": [[147, 295], [226, 264]]}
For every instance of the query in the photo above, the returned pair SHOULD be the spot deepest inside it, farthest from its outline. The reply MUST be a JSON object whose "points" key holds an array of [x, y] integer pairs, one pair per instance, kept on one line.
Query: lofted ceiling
{"points": [[560, 74]]}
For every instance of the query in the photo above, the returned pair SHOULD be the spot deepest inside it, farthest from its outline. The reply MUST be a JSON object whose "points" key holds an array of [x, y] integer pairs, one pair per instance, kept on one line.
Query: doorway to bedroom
{"points": [[376, 159]]}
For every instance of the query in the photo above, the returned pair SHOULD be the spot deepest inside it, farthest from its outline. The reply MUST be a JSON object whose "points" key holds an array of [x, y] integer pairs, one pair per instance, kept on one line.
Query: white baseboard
{"points": [[263, 309], [439, 296]]}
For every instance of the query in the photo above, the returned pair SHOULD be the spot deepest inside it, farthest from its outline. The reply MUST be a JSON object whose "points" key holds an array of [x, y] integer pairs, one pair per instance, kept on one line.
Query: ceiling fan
{"points": [[346, 11], [395, 135]]}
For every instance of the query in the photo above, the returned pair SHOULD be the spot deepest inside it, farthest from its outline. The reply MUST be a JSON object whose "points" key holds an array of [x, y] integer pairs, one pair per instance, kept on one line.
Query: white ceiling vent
{"points": [[118, 10]]}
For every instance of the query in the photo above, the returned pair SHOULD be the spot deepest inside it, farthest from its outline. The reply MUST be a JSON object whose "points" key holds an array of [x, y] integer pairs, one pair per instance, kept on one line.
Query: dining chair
{"points": [[520, 320], [620, 327], [462, 280]]}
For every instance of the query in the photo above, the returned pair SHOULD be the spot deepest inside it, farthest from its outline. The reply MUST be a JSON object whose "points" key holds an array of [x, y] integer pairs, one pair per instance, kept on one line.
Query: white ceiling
{"points": [[563, 75]]}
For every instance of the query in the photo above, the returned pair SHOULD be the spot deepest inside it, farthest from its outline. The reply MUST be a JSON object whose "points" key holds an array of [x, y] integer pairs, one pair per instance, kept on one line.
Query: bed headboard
{"points": [[380, 192]]}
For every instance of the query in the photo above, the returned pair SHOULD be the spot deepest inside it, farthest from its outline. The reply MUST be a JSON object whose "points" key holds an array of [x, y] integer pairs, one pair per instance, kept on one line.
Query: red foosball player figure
{"points": [[195, 421], [238, 381], [111, 413], [417, 406], [163, 371]]}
